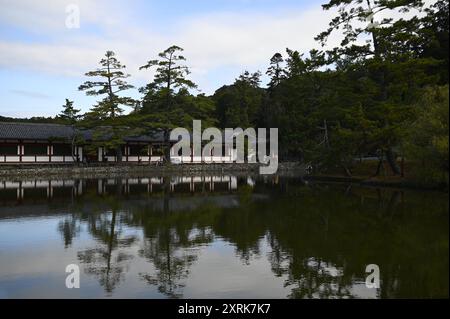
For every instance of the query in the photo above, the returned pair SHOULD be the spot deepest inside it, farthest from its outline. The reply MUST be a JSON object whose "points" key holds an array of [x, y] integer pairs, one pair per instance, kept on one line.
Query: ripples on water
{"points": [[219, 237]]}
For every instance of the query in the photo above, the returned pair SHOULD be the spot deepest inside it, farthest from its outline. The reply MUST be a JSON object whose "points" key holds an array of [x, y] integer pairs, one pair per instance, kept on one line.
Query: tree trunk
{"points": [[402, 167], [119, 154], [72, 150], [346, 170], [380, 164], [166, 154], [391, 158]]}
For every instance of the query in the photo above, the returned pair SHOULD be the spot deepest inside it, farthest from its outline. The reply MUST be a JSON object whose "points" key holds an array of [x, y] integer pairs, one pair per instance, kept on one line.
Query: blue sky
{"points": [[42, 62]]}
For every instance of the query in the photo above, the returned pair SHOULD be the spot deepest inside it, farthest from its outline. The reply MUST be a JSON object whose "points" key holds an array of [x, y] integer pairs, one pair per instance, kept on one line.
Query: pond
{"points": [[220, 236]]}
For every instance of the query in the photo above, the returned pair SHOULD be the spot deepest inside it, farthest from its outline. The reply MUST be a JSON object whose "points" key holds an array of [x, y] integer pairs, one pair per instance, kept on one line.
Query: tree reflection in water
{"points": [[172, 244], [108, 260], [69, 228], [317, 238]]}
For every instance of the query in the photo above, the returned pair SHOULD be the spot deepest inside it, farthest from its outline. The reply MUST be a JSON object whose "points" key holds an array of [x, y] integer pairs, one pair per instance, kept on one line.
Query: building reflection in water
{"points": [[108, 260], [40, 189], [313, 241]]}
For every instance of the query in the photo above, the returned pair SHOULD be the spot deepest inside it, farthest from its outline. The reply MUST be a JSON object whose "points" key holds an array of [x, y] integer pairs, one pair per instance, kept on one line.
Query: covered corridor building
{"points": [[44, 143]]}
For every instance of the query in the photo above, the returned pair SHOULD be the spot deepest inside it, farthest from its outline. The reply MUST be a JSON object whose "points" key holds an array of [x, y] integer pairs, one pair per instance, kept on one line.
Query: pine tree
{"points": [[251, 79], [69, 114], [164, 103], [387, 59], [109, 128], [169, 74], [239, 104], [275, 71]]}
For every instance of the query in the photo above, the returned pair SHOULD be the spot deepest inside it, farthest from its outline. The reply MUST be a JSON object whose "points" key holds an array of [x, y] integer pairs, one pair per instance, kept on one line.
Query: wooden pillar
{"points": [[80, 153], [100, 154], [20, 150], [49, 151], [149, 152]]}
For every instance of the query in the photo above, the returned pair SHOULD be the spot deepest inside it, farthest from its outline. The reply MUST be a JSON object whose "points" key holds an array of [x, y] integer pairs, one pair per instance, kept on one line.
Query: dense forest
{"points": [[386, 97]]}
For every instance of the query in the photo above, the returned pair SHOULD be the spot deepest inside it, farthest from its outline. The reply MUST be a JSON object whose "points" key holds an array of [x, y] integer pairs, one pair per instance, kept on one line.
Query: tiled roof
{"points": [[46, 131], [34, 131]]}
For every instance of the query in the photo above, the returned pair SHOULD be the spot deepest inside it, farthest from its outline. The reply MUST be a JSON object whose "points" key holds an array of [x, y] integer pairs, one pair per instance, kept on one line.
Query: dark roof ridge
{"points": [[43, 131], [33, 123]]}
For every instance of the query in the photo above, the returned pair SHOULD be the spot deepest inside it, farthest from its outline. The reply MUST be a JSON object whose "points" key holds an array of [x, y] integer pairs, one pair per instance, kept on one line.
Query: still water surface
{"points": [[220, 237]]}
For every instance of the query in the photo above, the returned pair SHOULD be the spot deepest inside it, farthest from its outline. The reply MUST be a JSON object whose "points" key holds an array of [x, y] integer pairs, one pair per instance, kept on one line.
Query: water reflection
{"points": [[171, 237], [108, 259], [61, 188]]}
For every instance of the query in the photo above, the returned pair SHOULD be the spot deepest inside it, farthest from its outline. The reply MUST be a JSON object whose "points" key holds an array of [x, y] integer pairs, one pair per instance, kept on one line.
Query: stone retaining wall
{"points": [[136, 170]]}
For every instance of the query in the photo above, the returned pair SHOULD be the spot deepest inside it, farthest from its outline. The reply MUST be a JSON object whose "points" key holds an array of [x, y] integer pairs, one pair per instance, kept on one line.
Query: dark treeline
{"points": [[386, 97]]}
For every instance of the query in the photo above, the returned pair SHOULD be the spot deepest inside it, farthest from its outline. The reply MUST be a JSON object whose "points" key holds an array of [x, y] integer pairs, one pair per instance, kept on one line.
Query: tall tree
{"points": [[109, 127], [434, 36], [239, 104], [111, 83], [296, 65], [275, 70], [387, 57], [251, 79], [427, 140], [69, 114], [164, 103], [170, 74], [358, 18]]}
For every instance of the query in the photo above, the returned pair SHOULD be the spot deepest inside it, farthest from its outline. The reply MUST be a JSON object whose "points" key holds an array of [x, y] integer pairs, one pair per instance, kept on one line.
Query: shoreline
{"points": [[8, 173], [360, 181], [285, 169]]}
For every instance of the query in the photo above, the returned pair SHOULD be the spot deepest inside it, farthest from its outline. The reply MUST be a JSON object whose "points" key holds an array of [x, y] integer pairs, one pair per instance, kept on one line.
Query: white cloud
{"points": [[31, 94], [49, 16], [211, 41], [234, 39]]}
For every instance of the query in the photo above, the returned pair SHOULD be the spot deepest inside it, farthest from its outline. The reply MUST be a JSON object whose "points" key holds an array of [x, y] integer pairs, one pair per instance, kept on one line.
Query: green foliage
{"points": [[239, 104], [34, 119], [330, 107], [167, 102], [392, 67], [109, 128], [434, 35], [358, 18], [69, 114], [427, 140], [275, 71], [168, 73], [110, 81]]}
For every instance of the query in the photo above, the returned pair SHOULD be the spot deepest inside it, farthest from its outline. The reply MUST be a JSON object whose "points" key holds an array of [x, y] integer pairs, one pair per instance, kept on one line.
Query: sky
{"points": [[43, 61]]}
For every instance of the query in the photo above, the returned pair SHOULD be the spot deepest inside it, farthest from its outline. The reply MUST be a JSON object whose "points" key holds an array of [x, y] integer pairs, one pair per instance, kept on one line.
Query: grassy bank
{"points": [[414, 175]]}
